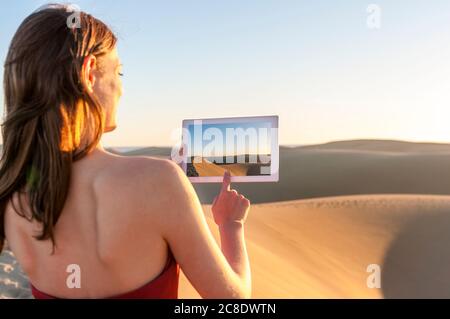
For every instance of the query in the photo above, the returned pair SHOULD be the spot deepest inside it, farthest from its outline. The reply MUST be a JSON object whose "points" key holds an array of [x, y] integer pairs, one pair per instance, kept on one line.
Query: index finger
{"points": [[226, 181]]}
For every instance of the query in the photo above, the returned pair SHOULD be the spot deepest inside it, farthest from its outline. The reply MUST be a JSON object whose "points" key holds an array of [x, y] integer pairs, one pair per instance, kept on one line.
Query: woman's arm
{"points": [[233, 247], [212, 272], [230, 211]]}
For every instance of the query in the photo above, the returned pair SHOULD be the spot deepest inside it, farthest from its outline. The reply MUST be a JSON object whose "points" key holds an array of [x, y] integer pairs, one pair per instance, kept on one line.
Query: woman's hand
{"points": [[229, 206]]}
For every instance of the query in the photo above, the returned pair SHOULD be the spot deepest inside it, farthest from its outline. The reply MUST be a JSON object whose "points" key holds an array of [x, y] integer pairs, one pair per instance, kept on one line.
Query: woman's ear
{"points": [[88, 74]]}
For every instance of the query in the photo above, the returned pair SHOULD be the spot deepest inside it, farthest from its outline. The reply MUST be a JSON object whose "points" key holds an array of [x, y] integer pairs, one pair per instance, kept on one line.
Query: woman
{"points": [[122, 225]]}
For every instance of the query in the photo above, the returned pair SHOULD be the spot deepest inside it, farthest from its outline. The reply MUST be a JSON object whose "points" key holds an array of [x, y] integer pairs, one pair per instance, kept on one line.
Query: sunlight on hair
{"points": [[72, 127]]}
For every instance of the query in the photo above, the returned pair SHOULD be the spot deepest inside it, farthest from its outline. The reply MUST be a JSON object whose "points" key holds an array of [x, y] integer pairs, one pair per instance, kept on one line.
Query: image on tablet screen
{"points": [[242, 148]]}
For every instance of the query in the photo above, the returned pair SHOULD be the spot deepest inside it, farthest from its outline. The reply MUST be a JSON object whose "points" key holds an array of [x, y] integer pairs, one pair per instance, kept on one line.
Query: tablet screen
{"points": [[246, 146]]}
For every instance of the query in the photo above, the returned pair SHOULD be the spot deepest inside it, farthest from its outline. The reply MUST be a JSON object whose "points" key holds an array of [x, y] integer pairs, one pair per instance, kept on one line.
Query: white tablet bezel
{"points": [[274, 167]]}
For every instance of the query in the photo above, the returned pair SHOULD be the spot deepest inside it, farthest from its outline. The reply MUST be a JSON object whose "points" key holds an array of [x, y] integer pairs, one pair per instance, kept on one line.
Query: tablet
{"points": [[246, 146]]}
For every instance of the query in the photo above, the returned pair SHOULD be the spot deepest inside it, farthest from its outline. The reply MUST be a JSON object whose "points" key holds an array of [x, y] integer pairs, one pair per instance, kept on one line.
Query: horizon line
{"points": [[311, 144], [301, 144]]}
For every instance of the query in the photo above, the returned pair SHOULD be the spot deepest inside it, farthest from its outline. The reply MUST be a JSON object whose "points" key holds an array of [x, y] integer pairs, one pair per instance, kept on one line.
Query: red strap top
{"points": [[165, 286]]}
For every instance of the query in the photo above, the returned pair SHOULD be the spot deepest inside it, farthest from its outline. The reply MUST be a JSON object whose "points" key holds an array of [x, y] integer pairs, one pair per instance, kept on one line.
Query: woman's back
{"points": [[99, 230]]}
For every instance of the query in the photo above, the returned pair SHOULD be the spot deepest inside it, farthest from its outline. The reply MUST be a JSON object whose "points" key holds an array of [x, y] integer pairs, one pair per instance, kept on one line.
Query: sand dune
{"points": [[319, 173], [206, 168], [346, 168], [321, 248], [381, 146]]}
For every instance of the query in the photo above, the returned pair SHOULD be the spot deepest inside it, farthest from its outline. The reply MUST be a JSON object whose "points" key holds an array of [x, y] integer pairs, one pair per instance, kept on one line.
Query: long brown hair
{"points": [[50, 120]]}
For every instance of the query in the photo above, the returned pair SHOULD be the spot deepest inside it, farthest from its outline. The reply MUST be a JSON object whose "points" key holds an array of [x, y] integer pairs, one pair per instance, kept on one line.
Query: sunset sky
{"points": [[316, 64]]}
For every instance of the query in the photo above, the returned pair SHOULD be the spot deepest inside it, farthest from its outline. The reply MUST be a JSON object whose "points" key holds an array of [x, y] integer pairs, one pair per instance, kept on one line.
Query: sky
{"points": [[328, 73]]}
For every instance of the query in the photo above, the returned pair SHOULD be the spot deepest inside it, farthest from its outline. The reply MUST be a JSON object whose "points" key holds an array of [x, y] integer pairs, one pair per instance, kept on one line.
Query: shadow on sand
{"points": [[417, 264]]}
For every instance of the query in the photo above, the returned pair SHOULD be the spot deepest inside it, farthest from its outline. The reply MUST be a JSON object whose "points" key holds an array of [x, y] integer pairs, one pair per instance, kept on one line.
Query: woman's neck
{"points": [[97, 150], [100, 147]]}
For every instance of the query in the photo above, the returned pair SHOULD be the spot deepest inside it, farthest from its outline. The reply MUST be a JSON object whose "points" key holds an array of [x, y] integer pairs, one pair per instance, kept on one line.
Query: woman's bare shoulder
{"points": [[124, 170], [139, 179]]}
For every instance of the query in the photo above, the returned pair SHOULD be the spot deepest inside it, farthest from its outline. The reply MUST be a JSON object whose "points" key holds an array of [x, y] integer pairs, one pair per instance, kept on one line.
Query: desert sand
{"points": [[321, 248], [305, 241]]}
